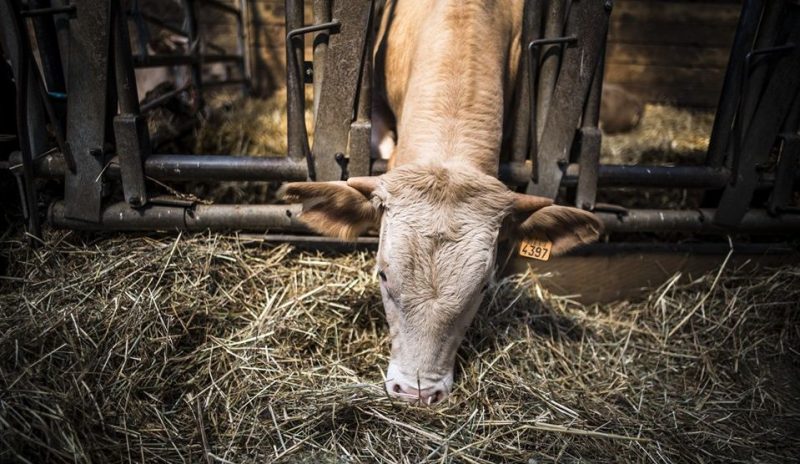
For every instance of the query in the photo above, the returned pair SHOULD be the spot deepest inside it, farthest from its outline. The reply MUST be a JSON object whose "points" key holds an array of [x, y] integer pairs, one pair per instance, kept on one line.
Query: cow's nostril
{"points": [[435, 397], [396, 388]]}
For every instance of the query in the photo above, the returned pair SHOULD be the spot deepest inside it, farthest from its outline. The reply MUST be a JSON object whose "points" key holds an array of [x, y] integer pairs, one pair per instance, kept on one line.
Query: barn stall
{"points": [[241, 347]]}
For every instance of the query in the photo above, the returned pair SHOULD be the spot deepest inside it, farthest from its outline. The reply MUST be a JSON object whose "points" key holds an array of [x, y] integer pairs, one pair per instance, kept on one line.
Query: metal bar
{"points": [[35, 12], [190, 23], [756, 76], [752, 97], [697, 221], [731, 86], [221, 167], [222, 6], [130, 129], [701, 177], [156, 61], [589, 22], [87, 108], [163, 24], [772, 109], [789, 157], [48, 48], [358, 162], [322, 14], [194, 168], [589, 162], [241, 47], [343, 64], [533, 53], [296, 134], [591, 139], [531, 30], [162, 99], [121, 217], [550, 61]]}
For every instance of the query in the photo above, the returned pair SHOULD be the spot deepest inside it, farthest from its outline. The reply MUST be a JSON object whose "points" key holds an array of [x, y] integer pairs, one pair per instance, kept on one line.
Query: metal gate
{"points": [[750, 175]]}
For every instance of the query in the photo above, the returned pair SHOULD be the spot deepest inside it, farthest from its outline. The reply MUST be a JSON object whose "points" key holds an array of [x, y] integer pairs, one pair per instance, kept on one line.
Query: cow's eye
{"points": [[383, 275]]}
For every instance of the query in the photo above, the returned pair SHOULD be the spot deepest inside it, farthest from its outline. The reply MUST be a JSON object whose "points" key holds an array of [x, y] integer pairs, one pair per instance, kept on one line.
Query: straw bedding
{"points": [[214, 348]]}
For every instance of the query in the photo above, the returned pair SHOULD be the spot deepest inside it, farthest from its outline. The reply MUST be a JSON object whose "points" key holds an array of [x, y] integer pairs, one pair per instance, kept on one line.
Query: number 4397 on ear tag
{"points": [[536, 249]]}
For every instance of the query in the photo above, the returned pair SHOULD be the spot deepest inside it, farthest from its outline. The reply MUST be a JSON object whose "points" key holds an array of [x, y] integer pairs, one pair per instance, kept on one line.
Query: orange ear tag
{"points": [[536, 249]]}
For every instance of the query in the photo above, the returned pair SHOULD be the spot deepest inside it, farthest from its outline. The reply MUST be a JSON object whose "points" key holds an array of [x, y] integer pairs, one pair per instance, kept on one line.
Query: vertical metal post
{"points": [[771, 111], [731, 86], [322, 14], [531, 30], [87, 108], [343, 68], [242, 46], [550, 61], [588, 21], [130, 128], [361, 129], [190, 27], [590, 140], [295, 96]]}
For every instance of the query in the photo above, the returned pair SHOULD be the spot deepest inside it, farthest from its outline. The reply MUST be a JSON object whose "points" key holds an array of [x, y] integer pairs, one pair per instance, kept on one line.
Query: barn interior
{"points": [[254, 346]]}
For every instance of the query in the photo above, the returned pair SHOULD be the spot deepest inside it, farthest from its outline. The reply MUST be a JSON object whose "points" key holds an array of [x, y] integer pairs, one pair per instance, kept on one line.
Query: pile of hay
{"points": [[212, 348], [665, 135]]}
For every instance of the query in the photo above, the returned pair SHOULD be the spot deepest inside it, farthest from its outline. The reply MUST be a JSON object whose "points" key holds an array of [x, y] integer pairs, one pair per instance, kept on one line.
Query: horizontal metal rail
{"points": [[157, 61], [697, 221], [247, 168], [194, 168], [121, 217]]}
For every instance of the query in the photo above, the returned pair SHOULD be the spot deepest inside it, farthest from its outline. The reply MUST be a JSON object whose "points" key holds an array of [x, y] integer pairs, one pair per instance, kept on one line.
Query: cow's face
{"points": [[439, 227]]}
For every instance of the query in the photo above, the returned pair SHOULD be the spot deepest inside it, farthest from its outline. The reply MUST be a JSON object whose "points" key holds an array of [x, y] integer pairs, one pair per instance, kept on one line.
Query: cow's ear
{"points": [[334, 209], [563, 226]]}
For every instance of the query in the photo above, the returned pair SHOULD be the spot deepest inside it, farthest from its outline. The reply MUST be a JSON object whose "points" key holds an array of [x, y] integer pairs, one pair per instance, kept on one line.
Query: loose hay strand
{"points": [[211, 348]]}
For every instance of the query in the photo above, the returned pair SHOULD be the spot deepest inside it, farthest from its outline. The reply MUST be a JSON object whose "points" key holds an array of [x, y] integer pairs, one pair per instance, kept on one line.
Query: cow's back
{"points": [[446, 70]]}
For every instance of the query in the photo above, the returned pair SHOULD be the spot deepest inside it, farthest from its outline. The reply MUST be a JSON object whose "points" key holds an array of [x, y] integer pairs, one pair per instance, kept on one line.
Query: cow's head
{"points": [[439, 228]]}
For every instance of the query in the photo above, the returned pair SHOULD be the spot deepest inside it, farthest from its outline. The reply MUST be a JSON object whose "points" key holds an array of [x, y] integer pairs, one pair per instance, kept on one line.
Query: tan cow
{"points": [[446, 70]]}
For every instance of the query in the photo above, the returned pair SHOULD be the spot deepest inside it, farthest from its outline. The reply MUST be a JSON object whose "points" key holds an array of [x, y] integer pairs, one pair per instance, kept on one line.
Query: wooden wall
{"points": [[672, 51]]}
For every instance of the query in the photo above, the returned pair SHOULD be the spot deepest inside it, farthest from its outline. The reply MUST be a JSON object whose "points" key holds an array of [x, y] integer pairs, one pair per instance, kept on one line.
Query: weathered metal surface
{"points": [[589, 162], [788, 166], [531, 30], [358, 163], [130, 129], [338, 93], [322, 14], [550, 59], [697, 221], [30, 110], [121, 217], [757, 142], [588, 21], [731, 86], [86, 108]]}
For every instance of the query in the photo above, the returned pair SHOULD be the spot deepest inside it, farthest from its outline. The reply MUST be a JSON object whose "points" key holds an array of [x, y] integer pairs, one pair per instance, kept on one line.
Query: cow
{"points": [[445, 74]]}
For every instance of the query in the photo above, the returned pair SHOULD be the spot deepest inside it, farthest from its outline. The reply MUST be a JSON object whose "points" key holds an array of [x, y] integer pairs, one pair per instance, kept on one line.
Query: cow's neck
{"points": [[453, 106]]}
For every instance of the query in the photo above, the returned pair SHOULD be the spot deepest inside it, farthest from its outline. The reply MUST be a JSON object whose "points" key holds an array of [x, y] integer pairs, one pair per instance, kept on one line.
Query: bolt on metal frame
{"points": [[555, 146]]}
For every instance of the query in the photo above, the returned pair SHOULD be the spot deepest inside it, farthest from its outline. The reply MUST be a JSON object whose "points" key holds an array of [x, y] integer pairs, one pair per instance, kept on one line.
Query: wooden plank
{"points": [[666, 75], [633, 11], [672, 33], [667, 55], [691, 96]]}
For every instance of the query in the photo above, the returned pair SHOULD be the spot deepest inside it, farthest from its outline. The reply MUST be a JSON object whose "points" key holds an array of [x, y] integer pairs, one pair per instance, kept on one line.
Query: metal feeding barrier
{"points": [[77, 79]]}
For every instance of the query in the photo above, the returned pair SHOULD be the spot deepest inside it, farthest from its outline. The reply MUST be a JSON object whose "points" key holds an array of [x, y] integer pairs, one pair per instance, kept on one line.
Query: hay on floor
{"points": [[208, 348]]}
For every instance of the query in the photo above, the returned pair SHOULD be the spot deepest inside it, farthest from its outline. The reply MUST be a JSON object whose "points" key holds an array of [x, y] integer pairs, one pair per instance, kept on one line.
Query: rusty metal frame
{"points": [[558, 152]]}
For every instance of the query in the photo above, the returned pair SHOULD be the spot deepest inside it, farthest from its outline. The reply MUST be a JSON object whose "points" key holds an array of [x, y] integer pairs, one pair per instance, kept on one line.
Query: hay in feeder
{"points": [[213, 348]]}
